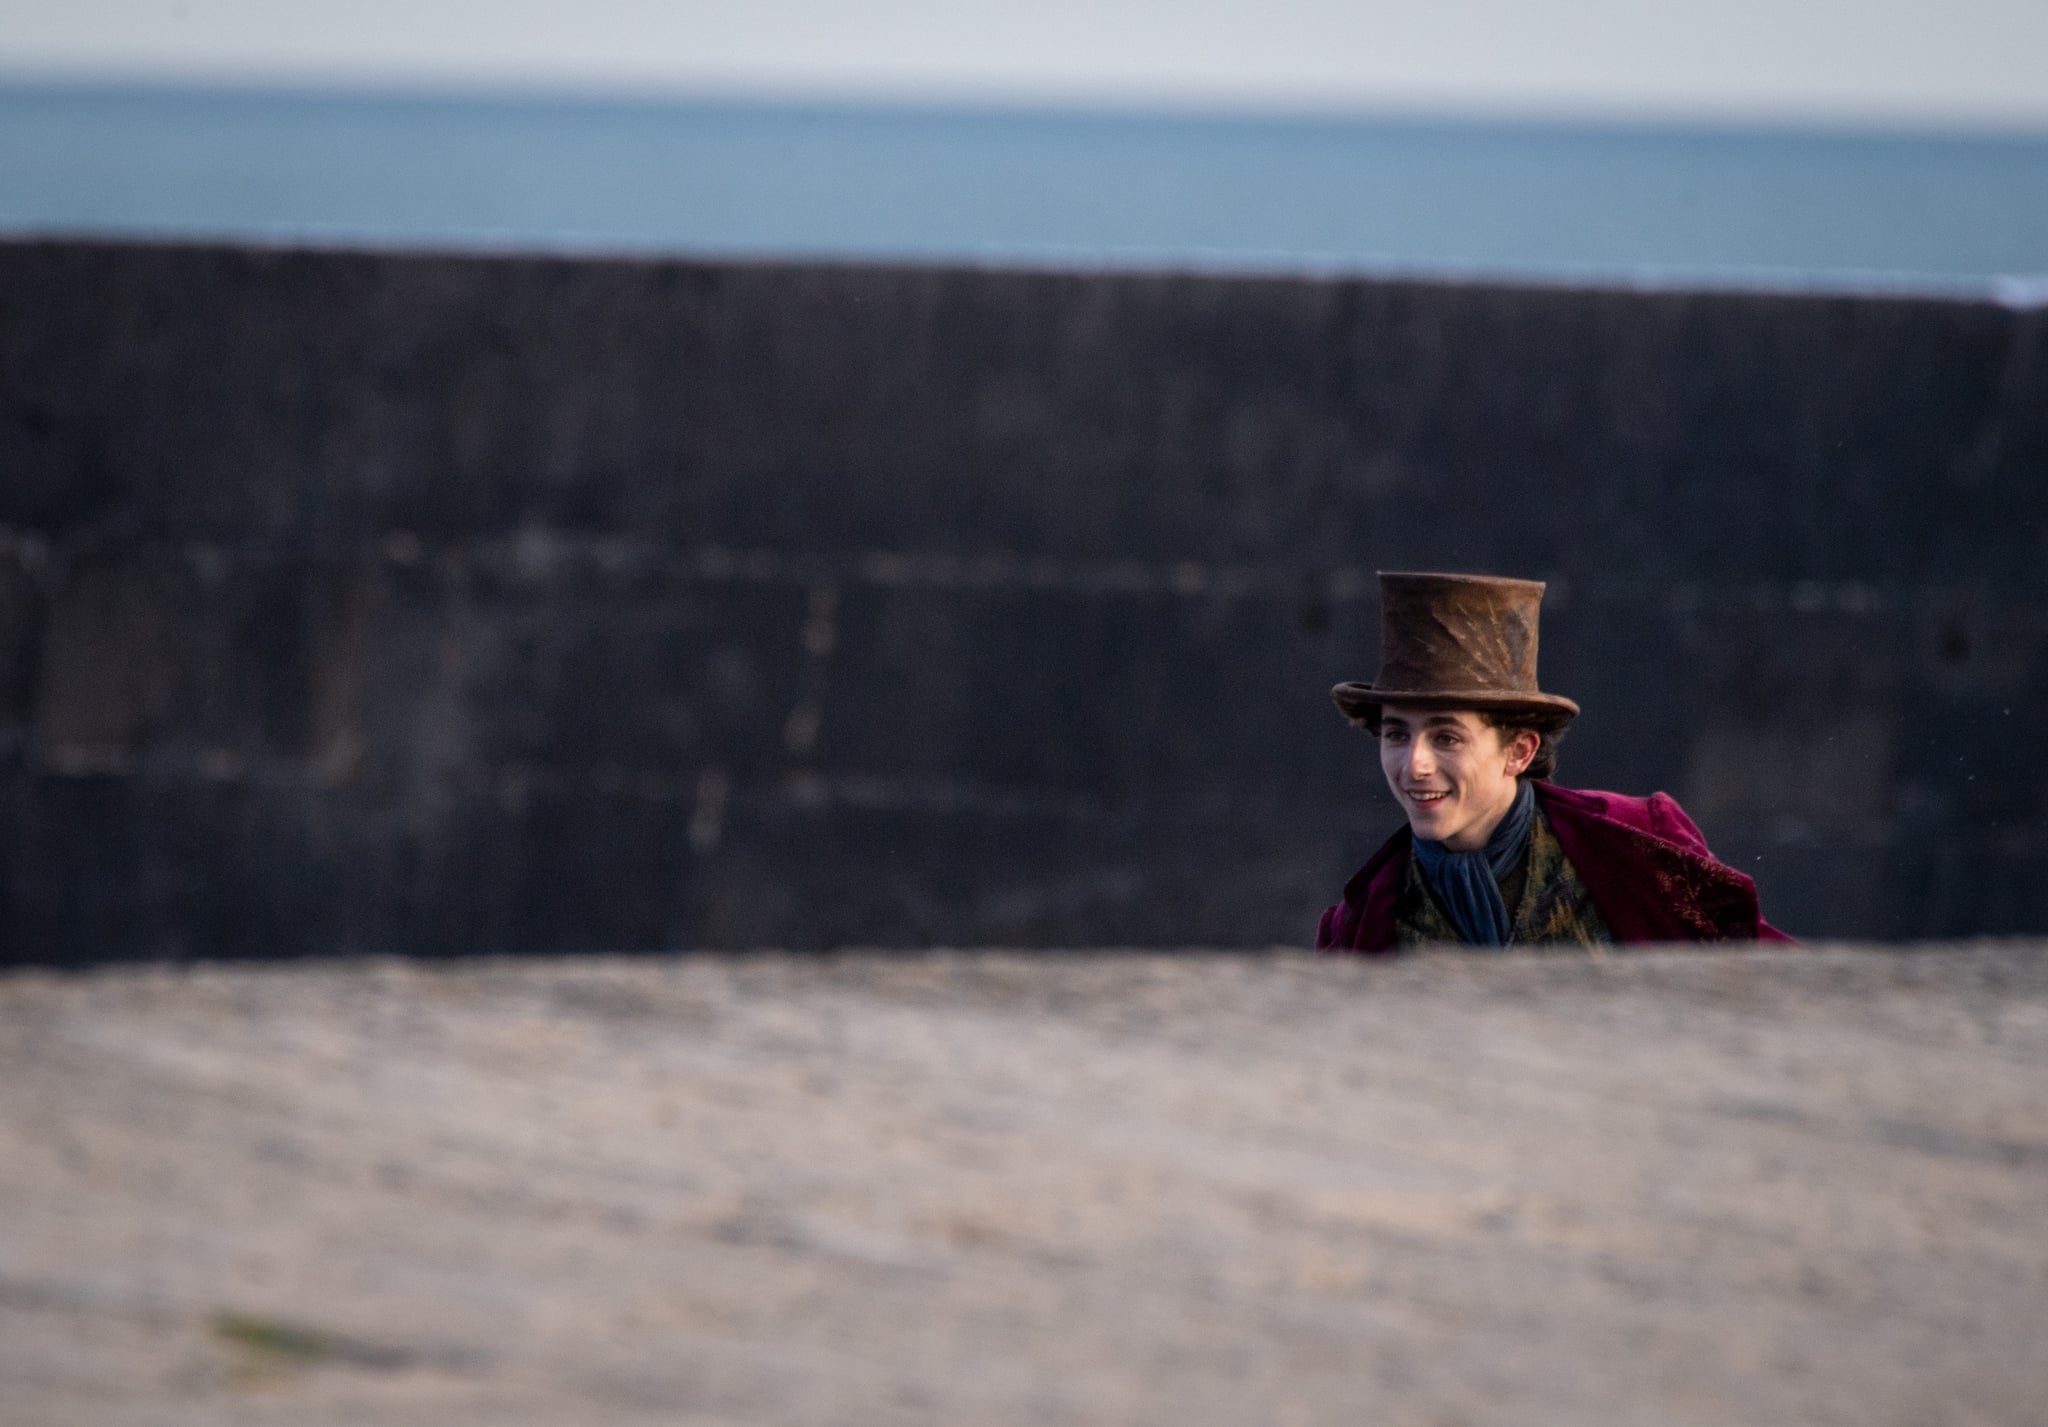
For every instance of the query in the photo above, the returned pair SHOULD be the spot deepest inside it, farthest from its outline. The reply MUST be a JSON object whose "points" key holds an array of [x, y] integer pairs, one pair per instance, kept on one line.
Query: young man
{"points": [[1494, 854]]}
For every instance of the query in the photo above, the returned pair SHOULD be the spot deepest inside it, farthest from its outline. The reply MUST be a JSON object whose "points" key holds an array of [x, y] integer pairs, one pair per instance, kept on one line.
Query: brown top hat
{"points": [[1455, 641]]}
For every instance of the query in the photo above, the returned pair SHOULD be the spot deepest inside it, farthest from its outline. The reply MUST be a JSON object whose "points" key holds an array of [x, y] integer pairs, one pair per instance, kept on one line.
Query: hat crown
{"points": [[1458, 634]]}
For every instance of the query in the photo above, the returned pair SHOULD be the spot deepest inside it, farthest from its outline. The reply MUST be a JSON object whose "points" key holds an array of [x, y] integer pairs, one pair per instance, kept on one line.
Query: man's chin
{"points": [[1429, 822]]}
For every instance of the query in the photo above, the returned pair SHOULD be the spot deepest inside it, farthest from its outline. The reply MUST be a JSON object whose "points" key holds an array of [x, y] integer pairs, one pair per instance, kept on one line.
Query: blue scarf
{"points": [[1467, 884]]}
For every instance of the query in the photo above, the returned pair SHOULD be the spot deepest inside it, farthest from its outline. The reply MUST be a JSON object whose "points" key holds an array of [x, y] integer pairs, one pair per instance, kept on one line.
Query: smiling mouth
{"points": [[1427, 798]]}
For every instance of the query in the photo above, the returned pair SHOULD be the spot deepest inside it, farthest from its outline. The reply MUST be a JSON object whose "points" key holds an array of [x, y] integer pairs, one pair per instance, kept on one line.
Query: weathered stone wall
{"points": [[361, 602]]}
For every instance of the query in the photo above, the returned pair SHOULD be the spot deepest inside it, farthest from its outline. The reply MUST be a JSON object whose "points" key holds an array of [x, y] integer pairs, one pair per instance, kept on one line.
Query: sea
{"points": [[1010, 185]]}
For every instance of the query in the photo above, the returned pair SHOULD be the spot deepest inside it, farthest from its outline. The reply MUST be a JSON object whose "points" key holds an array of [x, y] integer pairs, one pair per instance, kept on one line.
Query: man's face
{"points": [[1452, 773]]}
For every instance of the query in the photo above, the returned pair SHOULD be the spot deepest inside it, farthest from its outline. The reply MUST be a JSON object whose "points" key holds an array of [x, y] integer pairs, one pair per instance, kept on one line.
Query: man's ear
{"points": [[1522, 750]]}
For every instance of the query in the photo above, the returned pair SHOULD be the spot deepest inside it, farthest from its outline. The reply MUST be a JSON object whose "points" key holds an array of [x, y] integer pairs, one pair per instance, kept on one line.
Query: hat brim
{"points": [[1361, 703]]}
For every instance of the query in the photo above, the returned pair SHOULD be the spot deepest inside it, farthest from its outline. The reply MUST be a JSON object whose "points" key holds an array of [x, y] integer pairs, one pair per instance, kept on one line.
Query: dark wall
{"points": [[437, 604]]}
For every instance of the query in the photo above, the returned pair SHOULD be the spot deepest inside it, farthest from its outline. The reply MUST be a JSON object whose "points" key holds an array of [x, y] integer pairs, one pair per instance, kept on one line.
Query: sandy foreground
{"points": [[1718, 1187]]}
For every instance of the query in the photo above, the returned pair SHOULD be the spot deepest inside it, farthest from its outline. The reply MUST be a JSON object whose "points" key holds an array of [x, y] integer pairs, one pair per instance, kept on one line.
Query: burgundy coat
{"points": [[1642, 860]]}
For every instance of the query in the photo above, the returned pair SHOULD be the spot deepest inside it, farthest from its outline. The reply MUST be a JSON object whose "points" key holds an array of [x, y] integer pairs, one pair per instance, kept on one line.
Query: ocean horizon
{"points": [[1485, 198]]}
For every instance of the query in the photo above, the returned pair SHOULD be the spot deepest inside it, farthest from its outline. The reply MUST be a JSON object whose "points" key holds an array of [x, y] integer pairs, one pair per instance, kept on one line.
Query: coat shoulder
{"points": [[1652, 866], [1659, 814]]}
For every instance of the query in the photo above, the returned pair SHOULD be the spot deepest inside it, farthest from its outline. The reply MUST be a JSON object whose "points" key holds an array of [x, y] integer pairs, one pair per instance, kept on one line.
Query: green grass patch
{"points": [[278, 1342]]}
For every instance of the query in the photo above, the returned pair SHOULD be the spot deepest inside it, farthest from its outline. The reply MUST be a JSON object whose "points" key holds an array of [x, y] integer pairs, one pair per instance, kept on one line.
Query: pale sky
{"points": [[1966, 63]]}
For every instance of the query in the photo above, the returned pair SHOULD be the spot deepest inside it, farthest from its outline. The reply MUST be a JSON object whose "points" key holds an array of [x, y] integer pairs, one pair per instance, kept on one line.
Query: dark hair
{"points": [[1547, 728]]}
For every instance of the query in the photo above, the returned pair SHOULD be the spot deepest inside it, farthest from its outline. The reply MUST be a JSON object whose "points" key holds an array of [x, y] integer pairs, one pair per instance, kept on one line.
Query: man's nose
{"points": [[1419, 764]]}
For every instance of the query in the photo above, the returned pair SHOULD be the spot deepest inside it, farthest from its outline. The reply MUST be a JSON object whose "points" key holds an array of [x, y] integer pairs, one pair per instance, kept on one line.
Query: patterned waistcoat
{"points": [[1554, 908]]}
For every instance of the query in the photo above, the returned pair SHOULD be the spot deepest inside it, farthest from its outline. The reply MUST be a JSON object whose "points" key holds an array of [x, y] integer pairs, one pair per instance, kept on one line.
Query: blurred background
{"points": [[548, 477]]}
